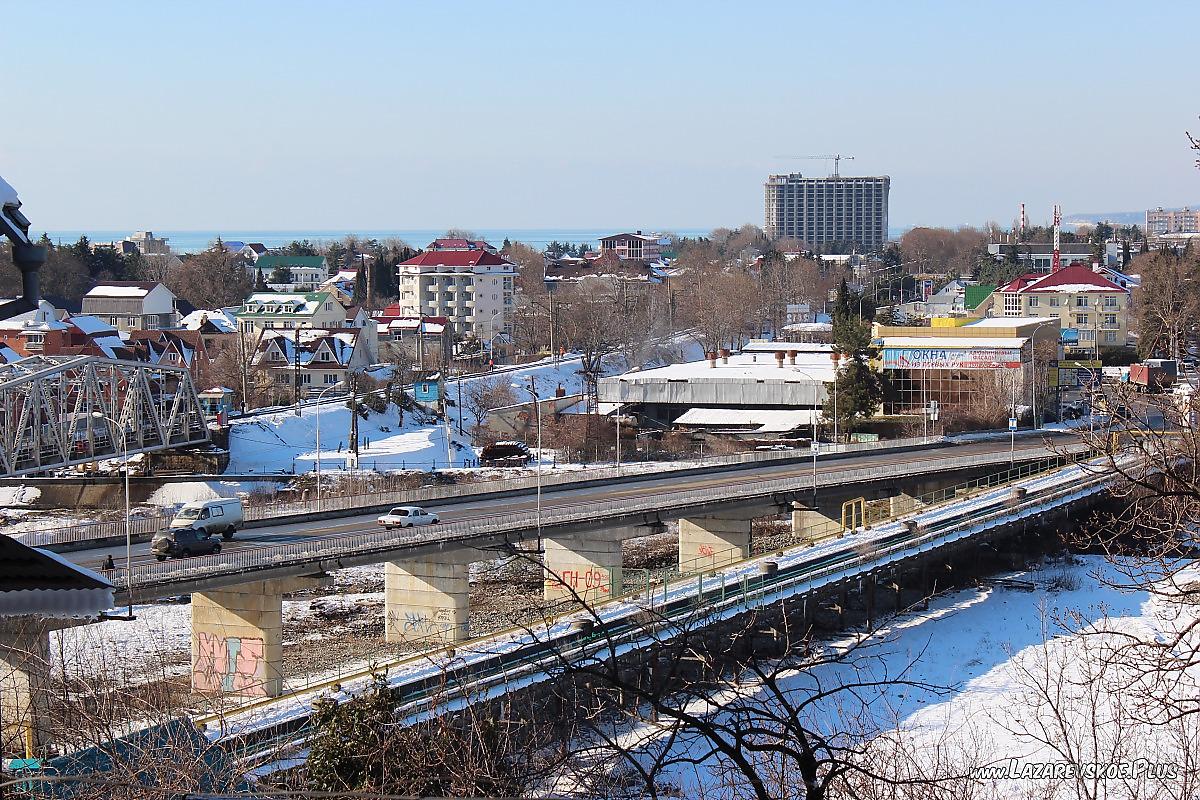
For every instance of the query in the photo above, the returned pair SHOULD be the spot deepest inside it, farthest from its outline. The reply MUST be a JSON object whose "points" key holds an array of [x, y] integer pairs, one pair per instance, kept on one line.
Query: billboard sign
{"points": [[950, 358]]}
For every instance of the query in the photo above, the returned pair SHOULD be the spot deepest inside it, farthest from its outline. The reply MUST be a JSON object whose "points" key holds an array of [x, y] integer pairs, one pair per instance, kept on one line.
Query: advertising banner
{"points": [[947, 358]]}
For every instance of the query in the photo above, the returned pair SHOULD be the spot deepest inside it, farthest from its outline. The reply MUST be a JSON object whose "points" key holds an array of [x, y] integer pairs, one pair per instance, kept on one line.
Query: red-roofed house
{"points": [[1085, 302], [472, 288], [460, 244]]}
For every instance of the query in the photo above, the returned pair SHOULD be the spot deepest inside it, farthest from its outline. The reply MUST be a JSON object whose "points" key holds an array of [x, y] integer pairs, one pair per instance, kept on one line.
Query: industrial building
{"points": [[769, 389]]}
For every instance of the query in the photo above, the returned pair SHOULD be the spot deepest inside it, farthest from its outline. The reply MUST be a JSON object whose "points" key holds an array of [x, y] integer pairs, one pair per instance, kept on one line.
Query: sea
{"points": [[195, 241]]}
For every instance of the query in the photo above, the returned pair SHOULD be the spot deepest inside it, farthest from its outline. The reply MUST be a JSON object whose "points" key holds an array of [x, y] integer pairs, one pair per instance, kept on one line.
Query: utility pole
{"points": [[353, 380], [296, 371]]}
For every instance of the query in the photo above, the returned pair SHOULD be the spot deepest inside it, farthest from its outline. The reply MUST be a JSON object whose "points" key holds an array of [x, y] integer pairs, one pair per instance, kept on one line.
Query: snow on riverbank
{"points": [[1013, 670]]}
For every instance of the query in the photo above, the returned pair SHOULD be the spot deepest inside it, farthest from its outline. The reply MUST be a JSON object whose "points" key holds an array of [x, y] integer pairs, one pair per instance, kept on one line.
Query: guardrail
{"points": [[379, 546], [503, 665], [287, 508]]}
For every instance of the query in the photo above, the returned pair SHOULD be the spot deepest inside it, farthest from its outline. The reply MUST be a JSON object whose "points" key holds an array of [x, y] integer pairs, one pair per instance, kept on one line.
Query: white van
{"points": [[211, 517]]}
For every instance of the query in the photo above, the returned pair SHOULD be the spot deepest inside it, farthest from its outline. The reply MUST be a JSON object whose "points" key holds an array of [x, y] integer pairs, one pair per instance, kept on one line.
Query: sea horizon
{"points": [[194, 241]]}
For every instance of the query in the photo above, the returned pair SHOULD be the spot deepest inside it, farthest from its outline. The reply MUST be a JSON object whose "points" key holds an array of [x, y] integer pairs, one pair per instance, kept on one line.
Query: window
{"points": [[1081, 302], [281, 377], [1054, 302], [1110, 319], [330, 378], [1110, 302], [306, 378], [1087, 336], [1110, 337], [1081, 319], [1033, 302]]}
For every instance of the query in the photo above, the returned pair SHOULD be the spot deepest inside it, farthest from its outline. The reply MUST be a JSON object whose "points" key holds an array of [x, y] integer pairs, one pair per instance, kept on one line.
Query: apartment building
{"points": [[1092, 310], [1160, 221], [263, 311], [824, 211], [284, 273], [635, 246], [472, 288]]}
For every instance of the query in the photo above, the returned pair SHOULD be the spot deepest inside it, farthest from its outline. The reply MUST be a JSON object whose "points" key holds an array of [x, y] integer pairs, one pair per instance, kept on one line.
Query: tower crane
{"points": [[834, 158]]}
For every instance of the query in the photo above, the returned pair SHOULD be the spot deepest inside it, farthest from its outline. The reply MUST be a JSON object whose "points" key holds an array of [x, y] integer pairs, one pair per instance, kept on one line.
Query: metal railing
{"points": [[280, 510], [363, 548], [742, 591]]}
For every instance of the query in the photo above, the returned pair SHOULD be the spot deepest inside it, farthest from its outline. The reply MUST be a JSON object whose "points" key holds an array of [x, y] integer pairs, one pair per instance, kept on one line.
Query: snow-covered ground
{"points": [[283, 442], [1018, 676]]}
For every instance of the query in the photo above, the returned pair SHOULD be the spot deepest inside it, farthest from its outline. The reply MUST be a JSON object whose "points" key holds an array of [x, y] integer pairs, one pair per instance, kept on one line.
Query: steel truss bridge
{"points": [[59, 411]]}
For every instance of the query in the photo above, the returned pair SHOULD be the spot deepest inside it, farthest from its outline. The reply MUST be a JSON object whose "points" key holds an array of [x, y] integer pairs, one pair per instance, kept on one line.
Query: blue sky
{"points": [[297, 115]]}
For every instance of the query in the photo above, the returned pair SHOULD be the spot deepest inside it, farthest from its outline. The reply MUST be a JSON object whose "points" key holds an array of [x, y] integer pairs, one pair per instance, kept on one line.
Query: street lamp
{"points": [[112, 425], [318, 408], [1033, 360], [537, 406]]}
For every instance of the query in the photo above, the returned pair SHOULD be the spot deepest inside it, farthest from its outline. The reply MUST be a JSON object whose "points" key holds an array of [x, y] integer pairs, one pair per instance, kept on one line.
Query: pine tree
{"points": [[859, 390]]}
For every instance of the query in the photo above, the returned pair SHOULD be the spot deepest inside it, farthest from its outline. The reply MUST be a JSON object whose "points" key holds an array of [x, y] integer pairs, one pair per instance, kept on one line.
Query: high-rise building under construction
{"points": [[824, 211]]}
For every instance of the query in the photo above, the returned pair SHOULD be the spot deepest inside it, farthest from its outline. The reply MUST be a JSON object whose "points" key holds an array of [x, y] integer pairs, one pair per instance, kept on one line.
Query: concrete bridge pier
{"points": [[715, 540], [585, 564], [427, 599], [24, 684], [810, 525], [237, 637]]}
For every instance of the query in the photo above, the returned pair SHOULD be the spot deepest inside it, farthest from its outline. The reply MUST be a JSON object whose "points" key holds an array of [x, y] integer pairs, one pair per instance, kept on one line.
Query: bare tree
{"points": [[481, 395], [1167, 301]]}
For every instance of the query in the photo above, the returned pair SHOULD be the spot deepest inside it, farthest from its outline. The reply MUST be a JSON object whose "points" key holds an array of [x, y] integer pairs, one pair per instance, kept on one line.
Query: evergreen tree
{"points": [[260, 282], [859, 390], [1126, 257]]}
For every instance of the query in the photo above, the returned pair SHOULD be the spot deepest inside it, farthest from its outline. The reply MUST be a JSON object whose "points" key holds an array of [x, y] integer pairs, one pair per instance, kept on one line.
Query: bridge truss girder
{"points": [[47, 406]]}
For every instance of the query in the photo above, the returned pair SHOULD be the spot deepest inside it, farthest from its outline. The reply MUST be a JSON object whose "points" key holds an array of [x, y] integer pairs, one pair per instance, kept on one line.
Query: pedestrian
{"points": [[108, 562]]}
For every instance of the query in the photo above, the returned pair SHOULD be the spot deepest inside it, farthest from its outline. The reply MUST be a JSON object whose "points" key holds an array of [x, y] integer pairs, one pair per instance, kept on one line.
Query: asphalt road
{"points": [[551, 498]]}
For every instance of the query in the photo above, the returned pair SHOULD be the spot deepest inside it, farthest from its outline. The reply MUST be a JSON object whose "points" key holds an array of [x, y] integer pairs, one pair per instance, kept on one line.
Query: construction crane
{"points": [[834, 158]]}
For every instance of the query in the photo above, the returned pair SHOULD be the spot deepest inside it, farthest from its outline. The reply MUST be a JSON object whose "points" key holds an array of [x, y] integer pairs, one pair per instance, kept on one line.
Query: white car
{"points": [[407, 517]]}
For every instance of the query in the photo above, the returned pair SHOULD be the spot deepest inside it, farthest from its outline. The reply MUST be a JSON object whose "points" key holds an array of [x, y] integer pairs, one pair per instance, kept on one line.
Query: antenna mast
{"points": [[1056, 261]]}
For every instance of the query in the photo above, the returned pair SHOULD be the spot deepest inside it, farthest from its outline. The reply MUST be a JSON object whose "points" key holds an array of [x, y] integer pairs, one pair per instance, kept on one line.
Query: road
{"points": [[463, 510]]}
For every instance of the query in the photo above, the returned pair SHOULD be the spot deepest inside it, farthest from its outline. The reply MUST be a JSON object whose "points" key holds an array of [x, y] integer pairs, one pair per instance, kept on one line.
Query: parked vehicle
{"points": [[183, 542], [407, 517], [213, 517], [505, 454], [1154, 374]]}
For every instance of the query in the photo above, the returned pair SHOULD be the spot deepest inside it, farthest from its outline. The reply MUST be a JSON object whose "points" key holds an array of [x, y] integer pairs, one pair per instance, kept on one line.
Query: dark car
{"points": [[182, 542]]}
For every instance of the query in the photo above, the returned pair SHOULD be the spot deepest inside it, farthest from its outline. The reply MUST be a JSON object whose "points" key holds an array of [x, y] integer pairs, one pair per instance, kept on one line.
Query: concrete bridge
{"points": [[515, 660], [237, 597]]}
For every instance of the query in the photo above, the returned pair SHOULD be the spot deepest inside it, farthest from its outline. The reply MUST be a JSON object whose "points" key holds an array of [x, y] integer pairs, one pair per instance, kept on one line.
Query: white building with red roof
{"points": [[472, 288], [1092, 309]]}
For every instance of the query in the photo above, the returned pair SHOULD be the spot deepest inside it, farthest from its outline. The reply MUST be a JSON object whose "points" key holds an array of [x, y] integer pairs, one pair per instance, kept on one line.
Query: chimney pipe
{"points": [[724, 355], [29, 259], [711, 355], [792, 358], [779, 358]]}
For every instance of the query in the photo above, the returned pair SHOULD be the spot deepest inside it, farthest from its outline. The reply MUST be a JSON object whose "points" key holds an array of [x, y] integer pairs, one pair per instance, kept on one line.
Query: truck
{"points": [[1153, 374], [210, 517]]}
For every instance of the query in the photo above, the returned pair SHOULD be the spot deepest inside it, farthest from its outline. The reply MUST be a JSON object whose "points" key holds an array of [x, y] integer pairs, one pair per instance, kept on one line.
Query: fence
{"points": [[498, 667], [367, 548], [353, 502]]}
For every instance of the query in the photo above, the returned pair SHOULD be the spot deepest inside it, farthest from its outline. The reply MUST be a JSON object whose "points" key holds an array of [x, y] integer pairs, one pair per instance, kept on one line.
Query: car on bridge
{"points": [[183, 542], [407, 517]]}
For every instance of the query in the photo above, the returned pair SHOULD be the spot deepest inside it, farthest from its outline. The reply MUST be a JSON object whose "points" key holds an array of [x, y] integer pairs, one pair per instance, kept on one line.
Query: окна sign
{"points": [[947, 358]]}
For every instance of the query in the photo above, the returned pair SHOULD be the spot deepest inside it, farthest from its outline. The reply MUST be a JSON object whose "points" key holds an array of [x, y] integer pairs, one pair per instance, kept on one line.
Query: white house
{"points": [[132, 305]]}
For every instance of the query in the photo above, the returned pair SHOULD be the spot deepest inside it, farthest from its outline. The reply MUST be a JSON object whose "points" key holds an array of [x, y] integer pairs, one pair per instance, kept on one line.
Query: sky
{"points": [[653, 115]]}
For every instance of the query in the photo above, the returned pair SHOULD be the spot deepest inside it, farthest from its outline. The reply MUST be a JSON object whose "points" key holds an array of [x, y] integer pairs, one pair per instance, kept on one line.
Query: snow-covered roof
{"points": [[1010, 322], [109, 344], [953, 342], [340, 345], [741, 367], [284, 302], [121, 289], [39, 582], [770, 346], [219, 318], [772, 420], [809, 327], [91, 325], [1076, 278]]}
